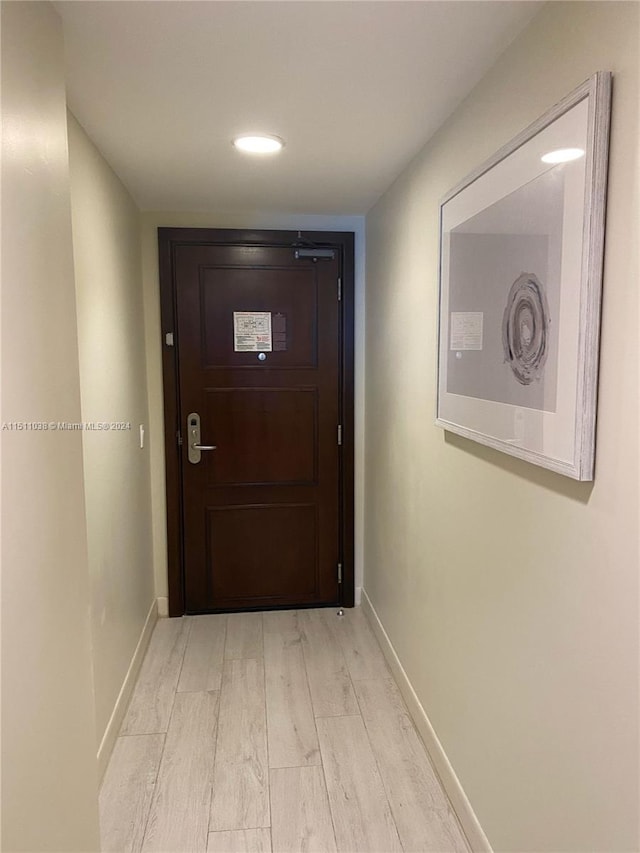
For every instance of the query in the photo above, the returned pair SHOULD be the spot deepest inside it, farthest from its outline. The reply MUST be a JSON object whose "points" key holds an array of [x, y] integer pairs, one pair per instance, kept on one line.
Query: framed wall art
{"points": [[521, 255]]}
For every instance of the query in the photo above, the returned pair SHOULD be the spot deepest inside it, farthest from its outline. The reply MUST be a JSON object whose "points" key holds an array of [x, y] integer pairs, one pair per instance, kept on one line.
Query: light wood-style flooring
{"points": [[281, 731]]}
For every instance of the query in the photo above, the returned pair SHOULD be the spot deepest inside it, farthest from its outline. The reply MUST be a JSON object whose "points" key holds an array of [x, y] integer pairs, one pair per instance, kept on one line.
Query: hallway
{"points": [[280, 731]]}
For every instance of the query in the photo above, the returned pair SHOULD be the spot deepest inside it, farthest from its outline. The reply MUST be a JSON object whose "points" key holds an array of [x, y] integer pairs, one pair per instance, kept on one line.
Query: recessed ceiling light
{"points": [[258, 143], [563, 155]]}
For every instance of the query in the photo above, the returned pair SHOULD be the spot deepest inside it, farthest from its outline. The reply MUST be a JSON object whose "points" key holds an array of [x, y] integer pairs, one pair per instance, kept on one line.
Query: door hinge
{"points": [[339, 572], [339, 290], [339, 434], [168, 339], [179, 438]]}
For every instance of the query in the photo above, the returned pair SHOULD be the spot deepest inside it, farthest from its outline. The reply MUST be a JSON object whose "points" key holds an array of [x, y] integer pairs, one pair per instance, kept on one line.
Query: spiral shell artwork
{"points": [[525, 328]]}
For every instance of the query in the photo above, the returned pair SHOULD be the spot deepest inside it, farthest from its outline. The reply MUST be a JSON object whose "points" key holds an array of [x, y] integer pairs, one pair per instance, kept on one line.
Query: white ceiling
{"points": [[355, 89]]}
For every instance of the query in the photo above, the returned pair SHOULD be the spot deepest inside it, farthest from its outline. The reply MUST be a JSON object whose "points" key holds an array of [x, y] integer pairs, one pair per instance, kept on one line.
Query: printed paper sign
{"points": [[466, 330], [279, 329], [252, 331]]}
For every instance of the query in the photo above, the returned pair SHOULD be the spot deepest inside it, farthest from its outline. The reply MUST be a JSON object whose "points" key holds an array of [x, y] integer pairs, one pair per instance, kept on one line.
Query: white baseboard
{"points": [[470, 824], [358, 596], [163, 606], [122, 702]]}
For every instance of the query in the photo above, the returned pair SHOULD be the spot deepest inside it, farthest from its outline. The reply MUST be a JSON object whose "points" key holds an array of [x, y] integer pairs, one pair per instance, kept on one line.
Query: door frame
{"points": [[343, 243]]}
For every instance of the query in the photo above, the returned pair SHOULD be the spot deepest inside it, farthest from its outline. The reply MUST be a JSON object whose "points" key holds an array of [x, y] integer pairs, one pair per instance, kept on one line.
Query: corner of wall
{"points": [[460, 802], [122, 702]]}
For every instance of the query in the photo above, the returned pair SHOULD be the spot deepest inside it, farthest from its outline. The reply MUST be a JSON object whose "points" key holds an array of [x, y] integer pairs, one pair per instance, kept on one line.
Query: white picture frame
{"points": [[521, 258]]}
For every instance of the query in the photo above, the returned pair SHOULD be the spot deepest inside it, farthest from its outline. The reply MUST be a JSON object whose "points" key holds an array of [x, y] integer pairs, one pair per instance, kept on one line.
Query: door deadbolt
{"points": [[194, 447]]}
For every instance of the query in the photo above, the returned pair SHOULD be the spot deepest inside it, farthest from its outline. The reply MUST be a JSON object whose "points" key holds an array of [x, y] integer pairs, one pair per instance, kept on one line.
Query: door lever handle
{"points": [[194, 448]]}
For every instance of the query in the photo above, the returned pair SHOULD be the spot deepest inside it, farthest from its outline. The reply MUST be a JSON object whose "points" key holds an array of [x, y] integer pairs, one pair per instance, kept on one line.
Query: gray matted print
{"points": [[504, 264], [521, 261]]}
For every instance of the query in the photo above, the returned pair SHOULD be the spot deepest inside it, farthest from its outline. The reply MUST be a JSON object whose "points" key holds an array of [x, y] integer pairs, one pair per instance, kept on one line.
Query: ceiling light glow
{"points": [[258, 143], [563, 155]]}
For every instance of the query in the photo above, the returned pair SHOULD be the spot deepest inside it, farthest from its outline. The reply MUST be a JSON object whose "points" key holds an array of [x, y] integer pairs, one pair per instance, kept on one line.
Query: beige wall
{"points": [[49, 785], [510, 593], [113, 387], [151, 221]]}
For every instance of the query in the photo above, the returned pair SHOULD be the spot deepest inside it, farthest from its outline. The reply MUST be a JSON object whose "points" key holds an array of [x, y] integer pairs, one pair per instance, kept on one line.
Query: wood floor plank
{"points": [[283, 669], [202, 665], [361, 815], [359, 646], [300, 815], [423, 815], [291, 728], [281, 621], [244, 636], [127, 790], [179, 815], [240, 841], [241, 777], [152, 700], [329, 681]]}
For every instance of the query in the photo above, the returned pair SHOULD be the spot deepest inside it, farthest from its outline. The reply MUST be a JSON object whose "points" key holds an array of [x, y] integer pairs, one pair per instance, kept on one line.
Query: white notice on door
{"points": [[466, 330], [252, 331]]}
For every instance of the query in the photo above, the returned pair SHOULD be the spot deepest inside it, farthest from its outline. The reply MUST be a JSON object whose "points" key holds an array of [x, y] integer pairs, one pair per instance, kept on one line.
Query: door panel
{"points": [[266, 435], [293, 291], [261, 511], [245, 534]]}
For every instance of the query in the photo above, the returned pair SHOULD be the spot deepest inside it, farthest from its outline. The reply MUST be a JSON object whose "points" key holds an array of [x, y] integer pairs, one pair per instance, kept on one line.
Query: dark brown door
{"points": [[258, 335]]}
